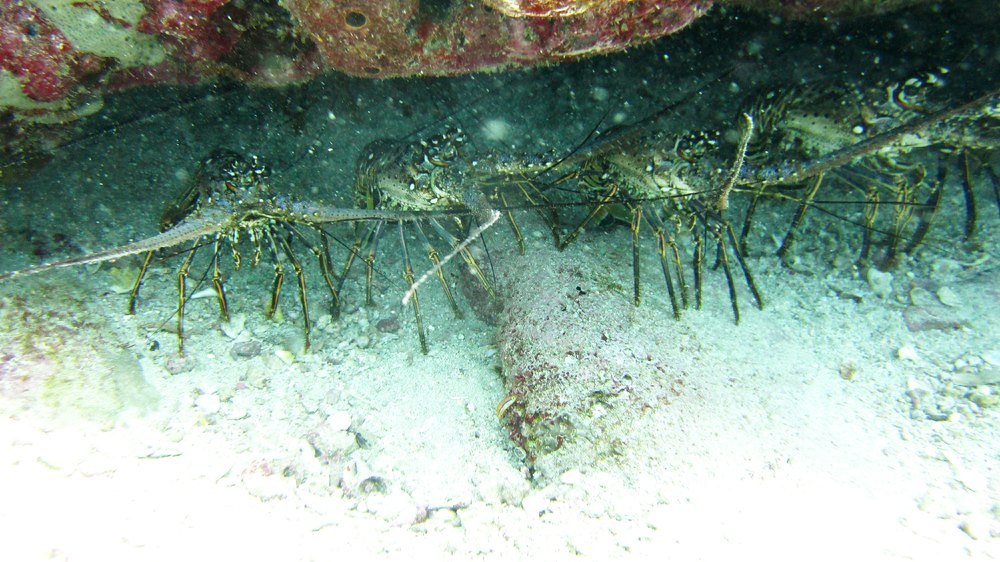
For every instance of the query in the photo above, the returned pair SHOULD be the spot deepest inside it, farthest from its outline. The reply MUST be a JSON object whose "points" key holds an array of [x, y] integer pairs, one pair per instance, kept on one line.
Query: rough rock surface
{"points": [[407, 37], [58, 56], [580, 372]]}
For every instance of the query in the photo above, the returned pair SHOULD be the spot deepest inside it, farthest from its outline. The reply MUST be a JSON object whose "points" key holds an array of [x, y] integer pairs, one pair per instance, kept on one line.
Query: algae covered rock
{"points": [[110, 383], [53, 362]]}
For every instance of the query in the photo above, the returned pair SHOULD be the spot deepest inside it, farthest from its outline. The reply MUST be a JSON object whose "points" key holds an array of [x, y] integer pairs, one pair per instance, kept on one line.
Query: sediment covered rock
{"points": [[580, 375]]}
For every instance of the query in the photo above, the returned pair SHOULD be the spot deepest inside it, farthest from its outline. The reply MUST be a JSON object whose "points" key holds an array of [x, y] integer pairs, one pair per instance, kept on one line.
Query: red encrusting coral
{"points": [[275, 42], [404, 37], [35, 51], [190, 29]]}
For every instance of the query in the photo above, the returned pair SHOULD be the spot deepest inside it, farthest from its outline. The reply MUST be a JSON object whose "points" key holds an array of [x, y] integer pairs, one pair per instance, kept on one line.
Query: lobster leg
{"points": [[723, 257], [133, 295], [220, 292], [361, 241], [676, 255], [322, 253], [546, 209], [748, 219], [513, 223], [467, 256], [598, 210], [786, 244], [432, 254], [926, 217], [697, 261], [301, 278], [376, 235], [995, 180], [279, 276], [408, 275], [661, 250], [871, 213], [182, 275], [970, 198], [634, 228], [746, 270]]}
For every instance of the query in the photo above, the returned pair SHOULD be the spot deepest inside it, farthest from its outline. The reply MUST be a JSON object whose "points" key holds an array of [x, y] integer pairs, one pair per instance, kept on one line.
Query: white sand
{"points": [[766, 451]]}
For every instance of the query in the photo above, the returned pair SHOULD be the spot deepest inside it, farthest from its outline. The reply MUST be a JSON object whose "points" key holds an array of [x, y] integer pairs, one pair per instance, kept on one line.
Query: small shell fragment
{"points": [[979, 378], [948, 297], [287, 357], [880, 282], [907, 353]]}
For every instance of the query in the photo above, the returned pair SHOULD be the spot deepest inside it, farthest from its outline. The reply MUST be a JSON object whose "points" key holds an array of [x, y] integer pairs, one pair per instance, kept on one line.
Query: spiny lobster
{"points": [[673, 185]]}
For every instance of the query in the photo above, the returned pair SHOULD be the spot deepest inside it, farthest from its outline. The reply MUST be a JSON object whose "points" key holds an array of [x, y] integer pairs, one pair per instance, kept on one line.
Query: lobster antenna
{"points": [[492, 216]]}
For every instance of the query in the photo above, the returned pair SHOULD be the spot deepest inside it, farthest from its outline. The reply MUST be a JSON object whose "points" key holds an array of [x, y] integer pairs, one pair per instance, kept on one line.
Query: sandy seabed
{"points": [[855, 417]]}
